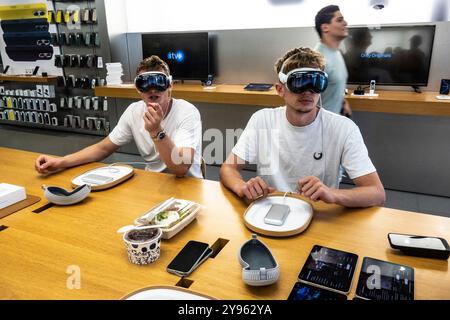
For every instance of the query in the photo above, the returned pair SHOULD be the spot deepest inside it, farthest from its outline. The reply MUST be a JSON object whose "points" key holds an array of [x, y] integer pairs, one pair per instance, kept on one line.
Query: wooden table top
{"points": [[37, 249], [397, 102]]}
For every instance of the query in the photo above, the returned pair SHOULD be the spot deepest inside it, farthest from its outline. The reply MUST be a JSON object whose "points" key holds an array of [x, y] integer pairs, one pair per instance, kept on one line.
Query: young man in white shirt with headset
{"points": [[167, 131], [300, 147]]}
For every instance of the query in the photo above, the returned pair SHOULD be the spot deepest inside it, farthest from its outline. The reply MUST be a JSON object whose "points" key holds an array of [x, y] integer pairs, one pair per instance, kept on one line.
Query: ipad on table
{"points": [[303, 291], [329, 268], [382, 280]]}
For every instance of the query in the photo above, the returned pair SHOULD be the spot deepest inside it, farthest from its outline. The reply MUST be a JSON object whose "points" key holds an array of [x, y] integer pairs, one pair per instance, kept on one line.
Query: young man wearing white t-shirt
{"points": [[167, 131], [300, 147]]}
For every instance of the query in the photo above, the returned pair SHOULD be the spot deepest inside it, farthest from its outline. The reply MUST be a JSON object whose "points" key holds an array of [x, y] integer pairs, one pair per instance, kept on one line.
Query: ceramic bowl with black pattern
{"points": [[143, 246]]}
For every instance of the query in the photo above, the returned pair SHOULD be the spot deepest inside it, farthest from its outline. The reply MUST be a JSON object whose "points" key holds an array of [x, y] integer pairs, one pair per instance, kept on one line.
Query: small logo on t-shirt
{"points": [[317, 155]]}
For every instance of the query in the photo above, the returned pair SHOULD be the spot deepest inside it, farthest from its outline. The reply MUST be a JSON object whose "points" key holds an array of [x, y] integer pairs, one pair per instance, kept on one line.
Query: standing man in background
{"points": [[332, 29]]}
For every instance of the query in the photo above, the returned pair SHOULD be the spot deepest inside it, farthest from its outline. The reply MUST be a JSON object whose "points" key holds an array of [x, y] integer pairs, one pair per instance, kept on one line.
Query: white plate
{"points": [[297, 221], [115, 173], [165, 293]]}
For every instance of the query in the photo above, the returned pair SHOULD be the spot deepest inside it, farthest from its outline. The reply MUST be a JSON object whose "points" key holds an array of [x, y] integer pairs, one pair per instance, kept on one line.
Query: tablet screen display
{"points": [[329, 268], [258, 86], [382, 280], [302, 291]]}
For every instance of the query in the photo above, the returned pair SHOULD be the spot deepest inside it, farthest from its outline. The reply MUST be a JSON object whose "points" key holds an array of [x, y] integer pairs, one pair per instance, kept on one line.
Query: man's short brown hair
{"points": [[300, 58], [324, 16], [153, 63]]}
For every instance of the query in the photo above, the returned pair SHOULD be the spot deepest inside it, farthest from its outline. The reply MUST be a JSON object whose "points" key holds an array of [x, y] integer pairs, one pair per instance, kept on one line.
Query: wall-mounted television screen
{"points": [[390, 55], [187, 54]]}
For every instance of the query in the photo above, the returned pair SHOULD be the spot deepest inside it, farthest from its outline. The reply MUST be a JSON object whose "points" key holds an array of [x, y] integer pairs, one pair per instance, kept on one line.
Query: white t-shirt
{"points": [[285, 153], [183, 125]]}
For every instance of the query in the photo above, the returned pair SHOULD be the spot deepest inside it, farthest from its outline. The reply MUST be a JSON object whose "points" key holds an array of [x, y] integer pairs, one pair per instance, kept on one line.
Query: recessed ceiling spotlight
{"points": [[378, 4]]}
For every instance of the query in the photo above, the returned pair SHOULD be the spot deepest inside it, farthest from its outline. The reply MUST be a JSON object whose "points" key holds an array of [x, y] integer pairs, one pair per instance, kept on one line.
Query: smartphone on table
{"points": [[189, 258], [421, 246]]}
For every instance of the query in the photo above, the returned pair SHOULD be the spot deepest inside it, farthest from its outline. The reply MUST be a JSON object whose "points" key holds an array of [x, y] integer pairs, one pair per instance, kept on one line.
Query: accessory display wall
{"points": [[77, 33]]}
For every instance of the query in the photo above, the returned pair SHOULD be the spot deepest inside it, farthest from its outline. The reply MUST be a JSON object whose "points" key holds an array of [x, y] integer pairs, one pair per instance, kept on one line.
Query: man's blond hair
{"points": [[153, 63], [300, 58]]}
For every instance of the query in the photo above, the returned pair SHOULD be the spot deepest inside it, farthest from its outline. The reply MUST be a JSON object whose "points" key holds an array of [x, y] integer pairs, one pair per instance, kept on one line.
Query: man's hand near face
{"points": [[152, 118]]}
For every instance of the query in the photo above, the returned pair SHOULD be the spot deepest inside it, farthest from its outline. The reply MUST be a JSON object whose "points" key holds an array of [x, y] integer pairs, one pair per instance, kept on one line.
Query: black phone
{"points": [[189, 258], [302, 291], [422, 246]]}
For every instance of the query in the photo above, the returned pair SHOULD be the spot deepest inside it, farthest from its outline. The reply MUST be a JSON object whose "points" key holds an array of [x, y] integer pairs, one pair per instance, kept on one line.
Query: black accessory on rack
{"points": [[27, 38], [71, 81], [72, 39], [79, 38], [86, 82], [62, 39], [93, 15], [60, 81], [85, 16], [55, 39], [78, 82], [29, 53], [90, 61], [74, 61], [58, 61], [66, 60], [96, 39], [24, 25], [88, 39], [83, 61]]}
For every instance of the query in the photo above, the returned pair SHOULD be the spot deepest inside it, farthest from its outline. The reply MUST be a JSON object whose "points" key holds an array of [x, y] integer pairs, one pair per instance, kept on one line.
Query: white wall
{"points": [[117, 26], [182, 15], [116, 14]]}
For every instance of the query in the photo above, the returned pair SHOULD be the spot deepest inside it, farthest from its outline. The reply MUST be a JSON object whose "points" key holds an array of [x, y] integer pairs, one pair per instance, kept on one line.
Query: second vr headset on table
{"points": [[146, 81], [303, 79]]}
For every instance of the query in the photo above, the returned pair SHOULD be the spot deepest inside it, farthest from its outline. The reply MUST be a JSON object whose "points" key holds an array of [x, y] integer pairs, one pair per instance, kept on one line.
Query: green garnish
{"points": [[162, 215]]}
